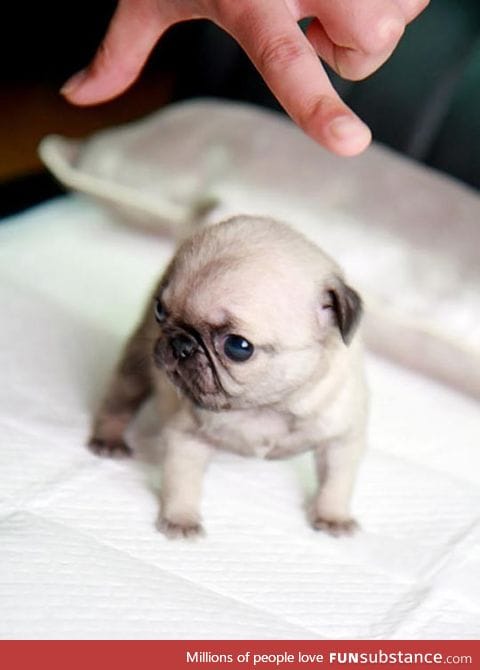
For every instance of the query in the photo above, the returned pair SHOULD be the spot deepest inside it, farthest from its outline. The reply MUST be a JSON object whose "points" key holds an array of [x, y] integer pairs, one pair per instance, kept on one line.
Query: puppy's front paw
{"points": [[335, 527], [109, 448], [180, 526]]}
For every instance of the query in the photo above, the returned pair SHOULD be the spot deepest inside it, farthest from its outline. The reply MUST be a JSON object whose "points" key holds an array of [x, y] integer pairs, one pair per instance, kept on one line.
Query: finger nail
{"points": [[347, 127], [74, 82]]}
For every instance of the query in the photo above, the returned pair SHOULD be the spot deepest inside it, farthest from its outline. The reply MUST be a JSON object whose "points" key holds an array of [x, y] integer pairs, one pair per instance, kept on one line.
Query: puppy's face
{"points": [[248, 312]]}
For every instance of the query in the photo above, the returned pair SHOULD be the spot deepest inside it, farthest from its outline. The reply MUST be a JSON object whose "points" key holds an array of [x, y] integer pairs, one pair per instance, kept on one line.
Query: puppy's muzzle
{"points": [[183, 346]]}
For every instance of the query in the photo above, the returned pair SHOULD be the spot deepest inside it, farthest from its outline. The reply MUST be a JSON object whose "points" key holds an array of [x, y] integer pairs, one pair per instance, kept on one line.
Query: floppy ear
{"points": [[347, 307]]}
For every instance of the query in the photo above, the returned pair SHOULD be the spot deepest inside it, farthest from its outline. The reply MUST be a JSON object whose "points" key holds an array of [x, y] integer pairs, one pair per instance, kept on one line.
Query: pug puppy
{"points": [[250, 338]]}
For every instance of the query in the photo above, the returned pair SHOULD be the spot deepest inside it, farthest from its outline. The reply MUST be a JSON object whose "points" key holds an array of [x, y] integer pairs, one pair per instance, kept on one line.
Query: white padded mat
{"points": [[79, 554]]}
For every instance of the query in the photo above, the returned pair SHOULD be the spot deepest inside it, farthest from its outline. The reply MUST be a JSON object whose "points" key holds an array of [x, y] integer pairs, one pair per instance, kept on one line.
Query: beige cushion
{"points": [[407, 237]]}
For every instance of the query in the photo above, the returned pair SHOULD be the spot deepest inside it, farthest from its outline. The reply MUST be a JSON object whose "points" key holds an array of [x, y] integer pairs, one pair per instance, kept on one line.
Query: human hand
{"points": [[355, 37]]}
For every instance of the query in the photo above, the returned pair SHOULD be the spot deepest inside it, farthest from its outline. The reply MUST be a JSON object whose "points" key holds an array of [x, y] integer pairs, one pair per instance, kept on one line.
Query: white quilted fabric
{"points": [[79, 554]]}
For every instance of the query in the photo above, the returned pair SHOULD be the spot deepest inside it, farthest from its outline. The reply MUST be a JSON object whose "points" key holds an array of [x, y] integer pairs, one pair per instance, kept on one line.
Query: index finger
{"points": [[269, 34], [135, 28]]}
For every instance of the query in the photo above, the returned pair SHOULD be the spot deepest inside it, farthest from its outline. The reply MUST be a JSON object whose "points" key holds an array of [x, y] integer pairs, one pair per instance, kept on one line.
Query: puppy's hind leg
{"points": [[130, 386]]}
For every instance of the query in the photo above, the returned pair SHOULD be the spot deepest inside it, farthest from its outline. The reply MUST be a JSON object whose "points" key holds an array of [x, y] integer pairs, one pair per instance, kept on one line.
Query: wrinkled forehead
{"points": [[240, 294]]}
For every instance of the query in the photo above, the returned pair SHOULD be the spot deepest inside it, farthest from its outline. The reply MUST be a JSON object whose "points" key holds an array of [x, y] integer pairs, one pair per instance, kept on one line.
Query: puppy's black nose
{"points": [[183, 346]]}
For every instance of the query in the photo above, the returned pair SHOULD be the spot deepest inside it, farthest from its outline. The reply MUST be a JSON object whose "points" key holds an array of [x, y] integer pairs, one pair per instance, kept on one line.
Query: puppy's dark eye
{"points": [[237, 348], [160, 313]]}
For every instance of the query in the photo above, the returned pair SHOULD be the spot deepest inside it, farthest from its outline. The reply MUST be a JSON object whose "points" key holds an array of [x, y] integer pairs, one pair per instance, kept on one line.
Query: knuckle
{"points": [[107, 61], [104, 56], [388, 32], [281, 51], [313, 110], [235, 15], [382, 35], [102, 60]]}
